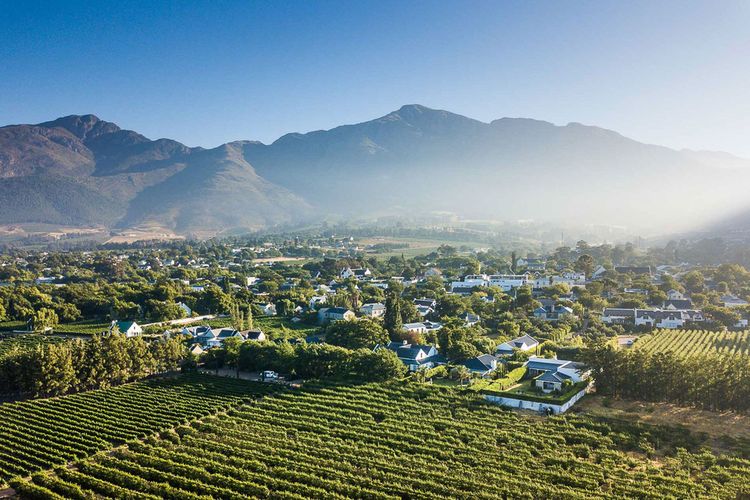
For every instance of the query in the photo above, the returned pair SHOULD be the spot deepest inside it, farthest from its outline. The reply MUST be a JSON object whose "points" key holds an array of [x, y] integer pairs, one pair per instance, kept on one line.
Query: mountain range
{"points": [[82, 171]]}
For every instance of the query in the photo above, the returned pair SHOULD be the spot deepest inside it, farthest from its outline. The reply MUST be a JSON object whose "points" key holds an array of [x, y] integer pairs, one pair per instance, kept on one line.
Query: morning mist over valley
{"points": [[414, 249]]}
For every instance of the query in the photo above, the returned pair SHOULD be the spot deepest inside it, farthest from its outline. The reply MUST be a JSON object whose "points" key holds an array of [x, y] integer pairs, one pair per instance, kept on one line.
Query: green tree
{"points": [[356, 334], [45, 318], [392, 318]]}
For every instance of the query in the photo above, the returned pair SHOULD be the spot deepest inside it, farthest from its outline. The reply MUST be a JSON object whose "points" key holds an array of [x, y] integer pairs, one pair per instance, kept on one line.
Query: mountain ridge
{"points": [[413, 158]]}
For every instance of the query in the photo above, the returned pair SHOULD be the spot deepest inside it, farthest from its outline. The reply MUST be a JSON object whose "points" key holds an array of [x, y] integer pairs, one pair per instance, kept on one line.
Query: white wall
{"points": [[522, 404]]}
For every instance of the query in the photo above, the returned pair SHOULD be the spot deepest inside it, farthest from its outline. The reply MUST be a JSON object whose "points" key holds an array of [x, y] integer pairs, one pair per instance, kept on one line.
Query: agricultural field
{"points": [[24, 342], [43, 433], [91, 327], [695, 342], [397, 441]]}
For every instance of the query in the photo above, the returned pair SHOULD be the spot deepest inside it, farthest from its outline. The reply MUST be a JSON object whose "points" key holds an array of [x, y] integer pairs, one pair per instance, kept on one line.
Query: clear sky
{"points": [[668, 72]]}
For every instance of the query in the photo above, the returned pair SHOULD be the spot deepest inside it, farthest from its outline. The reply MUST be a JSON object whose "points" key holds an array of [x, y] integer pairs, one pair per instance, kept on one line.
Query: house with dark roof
{"points": [[553, 312], [127, 328], [254, 334], [470, 319], [659, 318], [522, 343], [532, 264], [676, 304], [328, 314], [636, 270], [372, 310], [415, 357], [425, 302], [730, 300], [482, 365], [358, 273], [550, 374]]}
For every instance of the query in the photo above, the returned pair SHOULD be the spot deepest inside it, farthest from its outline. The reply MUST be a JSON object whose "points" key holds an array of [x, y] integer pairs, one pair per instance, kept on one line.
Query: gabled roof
{"points": [[525, 339], [254, 334], [225, 333], [548, 364], [124, 326], [336, 310], [481, 363], [550, 377]]}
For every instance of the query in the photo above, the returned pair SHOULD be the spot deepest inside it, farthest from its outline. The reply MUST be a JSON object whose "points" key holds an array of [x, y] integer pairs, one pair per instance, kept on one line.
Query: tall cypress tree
{"points": [[392, 318]]}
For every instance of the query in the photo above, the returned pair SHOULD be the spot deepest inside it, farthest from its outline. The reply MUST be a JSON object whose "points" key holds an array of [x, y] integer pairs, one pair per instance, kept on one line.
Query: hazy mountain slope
{"points": [[217, 190], [417, 158], [54, 199], [81, 170]]}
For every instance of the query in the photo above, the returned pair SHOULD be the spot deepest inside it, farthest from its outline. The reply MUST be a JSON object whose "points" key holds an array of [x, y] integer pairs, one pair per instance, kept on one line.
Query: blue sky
{"points": [[667, 72]]}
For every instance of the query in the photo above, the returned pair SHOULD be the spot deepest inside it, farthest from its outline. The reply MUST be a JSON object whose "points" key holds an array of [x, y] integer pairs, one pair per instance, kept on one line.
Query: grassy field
{"points": [[695, 342], [721, 428], [397, 441], [417, 246]]}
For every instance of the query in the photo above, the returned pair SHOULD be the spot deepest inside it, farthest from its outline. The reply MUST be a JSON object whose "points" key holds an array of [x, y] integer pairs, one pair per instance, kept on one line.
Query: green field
{"points": [[695, 342], [397, 441], [23, 342], [90, 327], [43, 433], [418, 246]]}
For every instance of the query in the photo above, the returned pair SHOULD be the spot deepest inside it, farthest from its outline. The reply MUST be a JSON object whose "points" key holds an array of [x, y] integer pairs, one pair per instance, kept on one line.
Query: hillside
{"points": [[422, 159], [80, 170]]}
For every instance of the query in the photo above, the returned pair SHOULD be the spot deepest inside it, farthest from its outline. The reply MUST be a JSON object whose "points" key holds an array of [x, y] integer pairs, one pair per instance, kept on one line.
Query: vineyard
{"points": [[695, 342], [24, 342], [42, 433], [395, 441]]}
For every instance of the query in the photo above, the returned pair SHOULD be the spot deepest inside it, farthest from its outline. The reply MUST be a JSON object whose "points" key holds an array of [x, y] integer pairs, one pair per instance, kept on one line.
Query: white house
{"points": [[254, 334], [372, 310], [553, 312], [598, 272], [127, 328], [483, 365], [675, 295], [328, 314], [531, 264], [358, 273], [551, 374], [522, 343], [507, 282], [185, 309], [415, 327], [433, 272], [658, 318], [470, 281], [424, 310], [470, 319], [733, 301], [268, 309], [317, 300], [415, 357]]}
